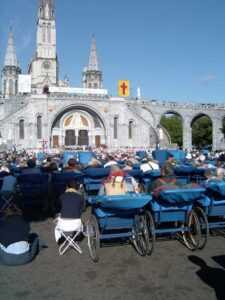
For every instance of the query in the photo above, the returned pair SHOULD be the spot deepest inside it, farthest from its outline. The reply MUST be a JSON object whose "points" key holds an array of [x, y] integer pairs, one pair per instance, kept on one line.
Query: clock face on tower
{"points": [[46, 65]]}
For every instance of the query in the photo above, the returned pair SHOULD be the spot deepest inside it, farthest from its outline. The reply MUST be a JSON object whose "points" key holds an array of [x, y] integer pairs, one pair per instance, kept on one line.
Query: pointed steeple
{"points": [[92, 76], [10, 56], [93, 58], [11, 69], [46, 9]]}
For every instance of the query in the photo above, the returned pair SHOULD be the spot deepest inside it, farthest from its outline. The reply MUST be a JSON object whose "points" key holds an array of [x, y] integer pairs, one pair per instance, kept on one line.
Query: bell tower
{"points": [[44, 66]]}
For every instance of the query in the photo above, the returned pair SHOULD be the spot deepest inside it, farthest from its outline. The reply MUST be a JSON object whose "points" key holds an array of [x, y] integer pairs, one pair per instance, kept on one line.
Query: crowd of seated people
{"points": [[119, 163]]}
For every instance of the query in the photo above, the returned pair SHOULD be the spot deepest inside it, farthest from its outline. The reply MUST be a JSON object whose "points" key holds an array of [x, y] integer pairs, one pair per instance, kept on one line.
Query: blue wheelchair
{"points": [[121, 218], [174, 213], [214, 205]]}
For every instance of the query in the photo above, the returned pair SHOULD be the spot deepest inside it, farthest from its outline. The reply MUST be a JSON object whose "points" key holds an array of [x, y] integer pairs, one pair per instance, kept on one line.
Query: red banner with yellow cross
{"points": [[124, 88]]}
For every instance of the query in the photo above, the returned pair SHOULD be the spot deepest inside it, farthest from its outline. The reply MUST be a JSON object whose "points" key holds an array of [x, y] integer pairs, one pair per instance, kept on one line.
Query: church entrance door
{"points": [[55, 141], [97, 140], [83, 138], [70, 139]]}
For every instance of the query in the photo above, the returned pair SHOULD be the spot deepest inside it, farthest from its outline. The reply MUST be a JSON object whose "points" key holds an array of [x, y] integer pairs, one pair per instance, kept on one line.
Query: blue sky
{"points": [[173, 49]]}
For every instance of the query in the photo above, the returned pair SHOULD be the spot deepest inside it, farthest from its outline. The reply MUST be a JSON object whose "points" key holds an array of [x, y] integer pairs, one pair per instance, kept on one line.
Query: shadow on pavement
{"points": [[221, 261], [213, 277]]}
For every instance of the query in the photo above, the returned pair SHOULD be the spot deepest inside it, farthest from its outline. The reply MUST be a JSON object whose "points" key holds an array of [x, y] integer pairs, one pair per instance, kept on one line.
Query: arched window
{"points": [[10, 87], [21, 129], [4, 86], [130, 129], [46, 89], [39, 127], [43, 33], [16, 86], [49, 33], [115, 128]]}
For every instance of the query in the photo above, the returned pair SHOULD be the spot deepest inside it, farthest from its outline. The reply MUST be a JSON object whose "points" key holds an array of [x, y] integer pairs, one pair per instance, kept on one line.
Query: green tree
{"points": [[173, 124], [202, 132], [223, 127]]}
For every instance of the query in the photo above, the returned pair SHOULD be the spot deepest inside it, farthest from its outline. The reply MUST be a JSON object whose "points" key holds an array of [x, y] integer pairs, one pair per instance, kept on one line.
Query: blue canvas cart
{"points": [[93, 178], [187, 173], [174, 213], [148, 177], [120, 218], [214, 204]]}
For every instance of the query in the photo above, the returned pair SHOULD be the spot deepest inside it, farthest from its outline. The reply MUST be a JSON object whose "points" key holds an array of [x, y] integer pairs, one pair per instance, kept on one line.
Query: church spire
{"points": [[10, 56], [46, 9], [93, 58], [92, 76], [11, 69]]}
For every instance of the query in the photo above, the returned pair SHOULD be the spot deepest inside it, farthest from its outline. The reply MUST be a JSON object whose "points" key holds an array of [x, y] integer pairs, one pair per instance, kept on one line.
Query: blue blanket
{"points": [[217, 188], [128, 201], [179, 197]]}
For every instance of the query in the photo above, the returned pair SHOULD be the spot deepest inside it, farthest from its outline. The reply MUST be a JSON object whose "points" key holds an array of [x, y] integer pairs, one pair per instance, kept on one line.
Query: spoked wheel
{"points": [[151, 231], [141, 235], [85, 196], [204, 226], [192, 236], [93, 236]]}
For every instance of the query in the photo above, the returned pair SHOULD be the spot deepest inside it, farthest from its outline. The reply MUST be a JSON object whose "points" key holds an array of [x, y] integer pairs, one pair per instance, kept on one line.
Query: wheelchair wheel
{"points": [[93, 236], [141, 235], [192, 236], [204, 226], [151, 231]]}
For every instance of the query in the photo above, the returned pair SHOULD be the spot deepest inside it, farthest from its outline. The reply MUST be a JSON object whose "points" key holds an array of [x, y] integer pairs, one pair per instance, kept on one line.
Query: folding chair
{"points": [[69, 230], [6, 201], [7, 193]]}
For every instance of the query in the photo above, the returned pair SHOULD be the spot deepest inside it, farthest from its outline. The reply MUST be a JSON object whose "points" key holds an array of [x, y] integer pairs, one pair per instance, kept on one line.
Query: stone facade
{"points": [[65, 117]]}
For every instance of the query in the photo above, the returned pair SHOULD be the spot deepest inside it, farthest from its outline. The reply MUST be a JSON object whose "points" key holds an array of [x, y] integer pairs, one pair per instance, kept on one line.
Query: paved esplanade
{"points": [[171, 273]]}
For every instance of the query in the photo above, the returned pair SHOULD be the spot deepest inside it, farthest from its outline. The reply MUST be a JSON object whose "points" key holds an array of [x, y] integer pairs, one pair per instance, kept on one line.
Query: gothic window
{"points": [[130, 130], [16, 86], [10, 87], [21, 129], [46, 89], [39, 127], [49, 33], [96, 85], [4, 86], [115, 128], [43, 33], [89, 85]]}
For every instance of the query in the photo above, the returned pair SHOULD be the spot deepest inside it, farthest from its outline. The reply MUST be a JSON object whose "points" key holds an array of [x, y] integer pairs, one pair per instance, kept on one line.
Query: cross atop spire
{"points": [[93, 58], [10, 56]]}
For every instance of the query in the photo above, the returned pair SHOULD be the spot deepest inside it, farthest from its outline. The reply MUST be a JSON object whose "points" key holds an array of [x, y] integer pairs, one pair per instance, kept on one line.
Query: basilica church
{"points": [[37, 107]]}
